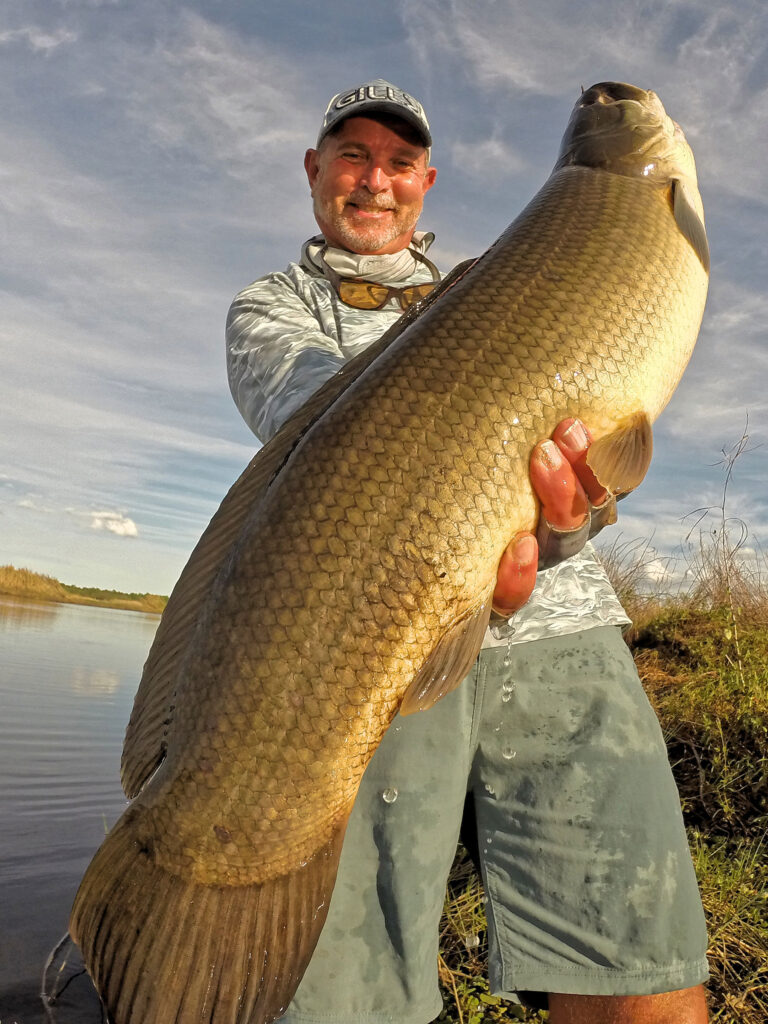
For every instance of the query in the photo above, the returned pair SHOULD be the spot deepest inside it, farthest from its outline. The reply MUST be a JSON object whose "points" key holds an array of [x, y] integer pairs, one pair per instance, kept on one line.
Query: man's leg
{"points": [[591, 889], [686, 1006]]}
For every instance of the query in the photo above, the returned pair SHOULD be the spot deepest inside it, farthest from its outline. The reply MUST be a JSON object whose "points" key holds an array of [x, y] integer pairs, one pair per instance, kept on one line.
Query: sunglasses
{"points": [[371, 295]]}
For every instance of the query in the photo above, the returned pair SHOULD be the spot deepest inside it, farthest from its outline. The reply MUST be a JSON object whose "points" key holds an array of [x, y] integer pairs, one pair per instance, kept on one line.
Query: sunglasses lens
{"points": [[363, 294], [416, 292]]}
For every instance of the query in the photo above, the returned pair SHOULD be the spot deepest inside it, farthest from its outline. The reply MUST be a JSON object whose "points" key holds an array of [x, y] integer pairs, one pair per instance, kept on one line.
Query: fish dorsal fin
{"points": [[449, 662], [152, 715], [689, 221], [146, 736], [621, 459]]}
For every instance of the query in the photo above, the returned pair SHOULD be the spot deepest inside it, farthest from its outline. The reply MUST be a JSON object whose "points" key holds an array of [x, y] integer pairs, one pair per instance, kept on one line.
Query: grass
{"points": [[702, 654], [34, 586]]}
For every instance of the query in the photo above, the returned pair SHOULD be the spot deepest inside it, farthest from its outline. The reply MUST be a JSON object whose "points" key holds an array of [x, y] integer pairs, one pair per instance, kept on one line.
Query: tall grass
{"points": [[35, 586], [25, 583]]}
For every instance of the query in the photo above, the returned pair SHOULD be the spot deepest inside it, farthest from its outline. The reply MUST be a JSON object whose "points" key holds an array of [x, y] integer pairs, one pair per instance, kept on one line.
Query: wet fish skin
{"points": [[379, 537]]}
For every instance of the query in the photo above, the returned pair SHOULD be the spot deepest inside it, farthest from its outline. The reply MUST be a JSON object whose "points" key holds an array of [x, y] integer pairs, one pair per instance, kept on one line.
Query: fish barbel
{"points": [[349, 572]]}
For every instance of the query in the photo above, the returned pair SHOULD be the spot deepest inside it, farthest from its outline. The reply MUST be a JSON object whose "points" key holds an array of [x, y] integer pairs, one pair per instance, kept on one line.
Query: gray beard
{"points": [[361, 238]]}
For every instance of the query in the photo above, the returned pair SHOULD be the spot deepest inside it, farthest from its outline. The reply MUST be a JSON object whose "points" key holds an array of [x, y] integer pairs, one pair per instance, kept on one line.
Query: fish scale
{"points": [[367, 560]]}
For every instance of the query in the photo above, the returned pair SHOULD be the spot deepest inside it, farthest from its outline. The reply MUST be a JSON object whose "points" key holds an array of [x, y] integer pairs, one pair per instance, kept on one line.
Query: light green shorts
{"points": [[585, 861]]}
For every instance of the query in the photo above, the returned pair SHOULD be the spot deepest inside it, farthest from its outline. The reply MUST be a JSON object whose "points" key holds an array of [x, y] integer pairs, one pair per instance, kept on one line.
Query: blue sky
{"points": [[151, 166]]}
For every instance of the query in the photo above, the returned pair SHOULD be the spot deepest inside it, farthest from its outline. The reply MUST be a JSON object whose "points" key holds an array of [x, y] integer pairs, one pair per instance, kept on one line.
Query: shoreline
{"points": [[92, 602], [26, 585]]}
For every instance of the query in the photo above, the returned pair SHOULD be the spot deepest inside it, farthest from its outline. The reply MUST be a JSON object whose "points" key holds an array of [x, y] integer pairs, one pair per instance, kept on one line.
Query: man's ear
{"points": [[429, 178], [311, 166]]}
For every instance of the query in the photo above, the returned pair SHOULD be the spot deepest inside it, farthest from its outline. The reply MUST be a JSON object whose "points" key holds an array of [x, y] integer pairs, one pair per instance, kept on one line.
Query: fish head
{"points": [[625, 130]]}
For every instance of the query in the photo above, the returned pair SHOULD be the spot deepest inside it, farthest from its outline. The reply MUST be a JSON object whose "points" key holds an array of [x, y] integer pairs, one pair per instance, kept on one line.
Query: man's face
{"points": [[368, 186]]}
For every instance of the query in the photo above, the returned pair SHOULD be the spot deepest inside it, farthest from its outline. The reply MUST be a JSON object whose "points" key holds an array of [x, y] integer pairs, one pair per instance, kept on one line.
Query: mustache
{"points": [[369, 201]]}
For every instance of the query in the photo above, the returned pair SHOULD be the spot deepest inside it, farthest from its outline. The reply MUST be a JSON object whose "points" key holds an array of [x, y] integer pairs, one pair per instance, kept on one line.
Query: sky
{"points": [[151, 167]]}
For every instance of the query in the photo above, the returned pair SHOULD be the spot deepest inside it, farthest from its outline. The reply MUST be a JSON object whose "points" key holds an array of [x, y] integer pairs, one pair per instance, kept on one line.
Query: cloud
{"points": [[658, 570], [227, 101], [114, 522], [707, 64], [32, 505], [474, 158], [37, 39]]}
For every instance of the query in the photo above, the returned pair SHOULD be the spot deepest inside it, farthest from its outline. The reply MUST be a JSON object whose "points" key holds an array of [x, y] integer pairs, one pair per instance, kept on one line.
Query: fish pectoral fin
{"points": [[160, 947], [450, 661], [689, 221], [621, 459]]}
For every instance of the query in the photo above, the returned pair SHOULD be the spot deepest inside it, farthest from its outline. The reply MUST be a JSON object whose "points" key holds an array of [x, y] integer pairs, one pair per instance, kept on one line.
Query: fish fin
{"points": [[160, 948], [146, 737], [689, 221], [621, 459], [449, 662]]}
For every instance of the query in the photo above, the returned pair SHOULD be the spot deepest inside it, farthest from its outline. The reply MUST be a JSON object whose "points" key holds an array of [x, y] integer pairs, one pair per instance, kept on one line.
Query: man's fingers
{"points": [[564, 502], [517, 574], [573, 440]]}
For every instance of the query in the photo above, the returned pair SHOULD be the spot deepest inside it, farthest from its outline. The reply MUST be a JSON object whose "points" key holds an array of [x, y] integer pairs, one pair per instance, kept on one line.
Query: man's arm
{"points": [[277, 353]]}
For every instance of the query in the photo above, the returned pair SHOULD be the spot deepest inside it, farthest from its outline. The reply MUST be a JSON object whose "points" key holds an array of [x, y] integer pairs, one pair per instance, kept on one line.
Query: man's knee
{"points": [[684, 1006]]}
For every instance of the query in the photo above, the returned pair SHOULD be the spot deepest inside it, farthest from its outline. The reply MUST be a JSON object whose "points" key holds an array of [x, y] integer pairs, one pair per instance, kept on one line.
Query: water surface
{"points": [[68, 675]]}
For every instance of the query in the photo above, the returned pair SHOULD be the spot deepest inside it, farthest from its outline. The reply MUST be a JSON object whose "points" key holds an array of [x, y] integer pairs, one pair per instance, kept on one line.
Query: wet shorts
{"points": [[586, 866]]}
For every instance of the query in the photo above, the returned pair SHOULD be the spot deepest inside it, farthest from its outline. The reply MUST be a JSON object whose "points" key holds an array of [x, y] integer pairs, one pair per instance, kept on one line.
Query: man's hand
{"points": [[574, 507]]}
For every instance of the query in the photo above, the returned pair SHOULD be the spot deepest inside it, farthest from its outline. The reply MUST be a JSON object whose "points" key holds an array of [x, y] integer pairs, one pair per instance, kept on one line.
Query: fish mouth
{"points": [[624, 129], [614, 92]]}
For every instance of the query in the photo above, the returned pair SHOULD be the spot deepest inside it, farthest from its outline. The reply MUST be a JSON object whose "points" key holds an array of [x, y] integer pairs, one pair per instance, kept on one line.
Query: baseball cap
{"points": [[376, 96]]}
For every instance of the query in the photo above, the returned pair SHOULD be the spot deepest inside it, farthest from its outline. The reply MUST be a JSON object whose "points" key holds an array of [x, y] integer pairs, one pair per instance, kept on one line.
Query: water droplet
{"points": [[508, 753], [508, 654], [471, 941], [389, 796], [506, 696], [489, 839], [489, 789]]}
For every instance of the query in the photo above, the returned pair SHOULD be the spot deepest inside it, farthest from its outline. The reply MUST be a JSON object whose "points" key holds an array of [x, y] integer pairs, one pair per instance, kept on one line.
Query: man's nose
{"points": [[375, 178]]}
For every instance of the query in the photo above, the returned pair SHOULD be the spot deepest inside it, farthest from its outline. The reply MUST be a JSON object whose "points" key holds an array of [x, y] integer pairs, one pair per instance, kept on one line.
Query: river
{"points": [[68, 675]]}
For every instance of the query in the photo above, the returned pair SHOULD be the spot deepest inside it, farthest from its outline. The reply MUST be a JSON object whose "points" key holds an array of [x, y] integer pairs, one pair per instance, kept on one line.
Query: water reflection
{"points": [[14, 613], [68, 675], [90, 682]]}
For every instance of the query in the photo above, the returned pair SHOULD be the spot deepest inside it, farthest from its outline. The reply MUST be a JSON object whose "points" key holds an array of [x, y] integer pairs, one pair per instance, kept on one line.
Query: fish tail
{"points": [[161, 949]]}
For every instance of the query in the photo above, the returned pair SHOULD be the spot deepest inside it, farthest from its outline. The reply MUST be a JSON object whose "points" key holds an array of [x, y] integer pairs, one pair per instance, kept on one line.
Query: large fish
{"points": [[349, 571]]}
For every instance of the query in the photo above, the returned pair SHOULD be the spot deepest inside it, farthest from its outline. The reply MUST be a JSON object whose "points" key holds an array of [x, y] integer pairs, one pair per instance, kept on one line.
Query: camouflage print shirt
{"points": [[288, 332]]}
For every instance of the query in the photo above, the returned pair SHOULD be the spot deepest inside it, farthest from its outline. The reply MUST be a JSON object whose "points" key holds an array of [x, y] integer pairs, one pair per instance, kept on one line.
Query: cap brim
{"points": [[364, 107]]}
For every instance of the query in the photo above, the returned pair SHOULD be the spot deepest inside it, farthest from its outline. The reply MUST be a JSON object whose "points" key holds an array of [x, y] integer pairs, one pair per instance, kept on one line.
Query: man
{"points": [[592, 899]]}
